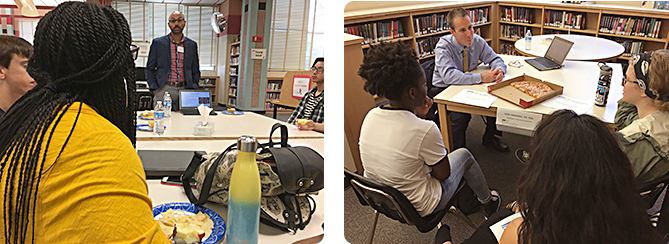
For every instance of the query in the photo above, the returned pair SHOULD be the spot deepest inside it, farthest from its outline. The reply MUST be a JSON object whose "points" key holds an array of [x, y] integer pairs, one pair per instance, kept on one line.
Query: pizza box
{"points": [[505, 91]]}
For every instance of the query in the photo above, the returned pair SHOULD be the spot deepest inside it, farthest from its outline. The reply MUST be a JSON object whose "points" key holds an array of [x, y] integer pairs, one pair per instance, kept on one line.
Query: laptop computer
{"points": [[189, 100], [554, 56], [160, 163]]}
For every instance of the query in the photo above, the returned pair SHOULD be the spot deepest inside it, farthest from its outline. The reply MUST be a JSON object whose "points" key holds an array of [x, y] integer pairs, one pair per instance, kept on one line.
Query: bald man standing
{"points": [[173, 62]]}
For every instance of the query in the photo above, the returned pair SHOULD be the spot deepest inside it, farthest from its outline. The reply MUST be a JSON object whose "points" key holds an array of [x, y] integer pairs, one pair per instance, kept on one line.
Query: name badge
{"points": [[180, 49]]}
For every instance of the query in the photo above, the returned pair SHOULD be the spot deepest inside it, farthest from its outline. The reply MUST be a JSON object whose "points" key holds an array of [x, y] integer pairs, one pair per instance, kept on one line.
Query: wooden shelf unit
{"points": [[211, 84], [232, 75], [273, 89], [409, 17], [492, 32]]}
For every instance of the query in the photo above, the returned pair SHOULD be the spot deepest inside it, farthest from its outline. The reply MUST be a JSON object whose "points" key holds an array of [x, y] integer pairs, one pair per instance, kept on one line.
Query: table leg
{"points": [[274, 114], [445, 126]]}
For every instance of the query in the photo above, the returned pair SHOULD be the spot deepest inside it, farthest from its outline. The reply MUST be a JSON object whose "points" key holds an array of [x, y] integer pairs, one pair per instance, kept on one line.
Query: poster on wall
{"points": [[301, 85]]}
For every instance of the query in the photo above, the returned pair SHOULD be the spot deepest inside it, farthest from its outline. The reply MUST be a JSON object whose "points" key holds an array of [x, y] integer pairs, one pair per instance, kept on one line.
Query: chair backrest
{"points": [[428, 67], [391, 202]]}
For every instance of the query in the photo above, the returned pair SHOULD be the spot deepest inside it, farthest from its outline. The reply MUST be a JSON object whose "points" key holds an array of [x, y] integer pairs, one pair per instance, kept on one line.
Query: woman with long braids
{"points": [[68, 169]]}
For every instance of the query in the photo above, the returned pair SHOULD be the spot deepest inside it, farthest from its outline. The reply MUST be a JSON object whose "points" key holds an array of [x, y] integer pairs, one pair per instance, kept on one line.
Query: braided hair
{"points": [[82, 54], [389, 69]]}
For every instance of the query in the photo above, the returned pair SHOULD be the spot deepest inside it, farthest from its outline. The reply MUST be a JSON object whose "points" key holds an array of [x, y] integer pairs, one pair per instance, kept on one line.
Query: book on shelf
{"points": [[234, 50], [565, 19], [478, 16], [632, 47], [273, 86], [233, 70], [233, 81], [232, 101], [517, 14], [630, 26], [376, 31], [273, 96], [232, 91], [427, 24], [509, 49], [426, 46], [513, 31], [234, 60]]}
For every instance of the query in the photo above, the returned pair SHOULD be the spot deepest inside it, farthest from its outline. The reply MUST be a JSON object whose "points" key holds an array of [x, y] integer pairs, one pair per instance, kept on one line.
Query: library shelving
{"points": [[418, 28], [507, 21], [232, 75], [211, 84], [273, 92]]}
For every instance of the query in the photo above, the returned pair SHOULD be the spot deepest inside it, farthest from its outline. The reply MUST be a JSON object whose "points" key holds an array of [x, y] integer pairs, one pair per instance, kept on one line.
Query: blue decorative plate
{"points": [[145, 127], [145, 118], [235, 113], [217, 233]]}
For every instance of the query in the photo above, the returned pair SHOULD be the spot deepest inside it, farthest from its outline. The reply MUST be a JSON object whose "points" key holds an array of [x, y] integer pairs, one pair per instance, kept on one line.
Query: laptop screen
{"points": [[558, 49], [193, 99]]}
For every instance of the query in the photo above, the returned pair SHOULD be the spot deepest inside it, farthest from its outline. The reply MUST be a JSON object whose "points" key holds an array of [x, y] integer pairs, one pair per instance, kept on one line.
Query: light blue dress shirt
{"points": [[448, 61]]}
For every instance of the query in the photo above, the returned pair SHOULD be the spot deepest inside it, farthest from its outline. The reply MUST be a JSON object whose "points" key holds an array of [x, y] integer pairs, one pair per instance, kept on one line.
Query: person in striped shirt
{"points": [[308, 114]]}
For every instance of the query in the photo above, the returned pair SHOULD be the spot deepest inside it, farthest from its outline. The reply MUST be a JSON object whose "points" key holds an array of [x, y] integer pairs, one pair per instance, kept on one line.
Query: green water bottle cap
{"points": [[247, 144]]}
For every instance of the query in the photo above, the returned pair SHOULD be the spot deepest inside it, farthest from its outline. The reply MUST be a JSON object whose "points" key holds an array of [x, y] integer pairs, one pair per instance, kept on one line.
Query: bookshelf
{"points": [[232, 75], [420, 28], [422, 24], [273, 91], [210, 83]]}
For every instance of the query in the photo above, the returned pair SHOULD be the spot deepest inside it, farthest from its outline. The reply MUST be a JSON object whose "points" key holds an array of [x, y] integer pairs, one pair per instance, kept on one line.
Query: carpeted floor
{"points": [[501, 171]]}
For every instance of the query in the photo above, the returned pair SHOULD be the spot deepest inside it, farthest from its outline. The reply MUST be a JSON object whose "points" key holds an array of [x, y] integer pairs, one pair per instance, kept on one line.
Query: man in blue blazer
{"points": [[173, 62]]}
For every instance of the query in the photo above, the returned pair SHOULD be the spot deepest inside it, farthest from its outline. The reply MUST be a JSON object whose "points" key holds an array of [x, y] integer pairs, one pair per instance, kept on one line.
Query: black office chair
{"points": [[392, 203]]}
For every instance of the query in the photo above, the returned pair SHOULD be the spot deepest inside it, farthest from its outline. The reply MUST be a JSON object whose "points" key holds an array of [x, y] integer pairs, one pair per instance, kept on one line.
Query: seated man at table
{"points": [[309, 113], [643, 115], [456, 55], [404, 151]]}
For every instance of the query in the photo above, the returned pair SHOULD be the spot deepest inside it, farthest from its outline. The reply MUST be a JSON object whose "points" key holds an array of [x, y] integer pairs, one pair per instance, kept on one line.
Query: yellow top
{"points": [[96, 192]]}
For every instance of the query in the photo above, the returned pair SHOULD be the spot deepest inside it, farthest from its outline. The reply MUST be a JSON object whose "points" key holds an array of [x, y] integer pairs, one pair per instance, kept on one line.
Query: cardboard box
{"points": [[505, 91]]}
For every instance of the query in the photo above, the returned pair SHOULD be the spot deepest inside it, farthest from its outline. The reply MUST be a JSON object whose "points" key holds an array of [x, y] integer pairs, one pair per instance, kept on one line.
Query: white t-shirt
{"points": [[397, 147]]}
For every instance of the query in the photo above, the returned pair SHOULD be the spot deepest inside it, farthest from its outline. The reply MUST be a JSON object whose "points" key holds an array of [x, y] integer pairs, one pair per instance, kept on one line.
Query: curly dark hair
{"points": [[82, 53], [579, 187], [389, 69]]}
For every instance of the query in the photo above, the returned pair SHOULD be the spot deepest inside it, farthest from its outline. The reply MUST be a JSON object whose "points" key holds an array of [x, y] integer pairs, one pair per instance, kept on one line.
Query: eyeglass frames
{"points": [[134, 50], [318, 70], [625, 80], [177, 20]]}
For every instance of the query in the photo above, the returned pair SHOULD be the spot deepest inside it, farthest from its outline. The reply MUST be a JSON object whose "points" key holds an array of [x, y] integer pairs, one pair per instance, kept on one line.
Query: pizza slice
{"points": [[534, 89]]}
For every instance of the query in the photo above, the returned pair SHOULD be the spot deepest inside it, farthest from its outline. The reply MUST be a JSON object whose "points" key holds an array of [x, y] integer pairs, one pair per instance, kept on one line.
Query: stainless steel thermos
{"points": [[603, 85]]}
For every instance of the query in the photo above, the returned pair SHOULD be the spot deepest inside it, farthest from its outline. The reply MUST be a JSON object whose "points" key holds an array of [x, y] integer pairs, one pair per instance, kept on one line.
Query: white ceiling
{"points": [[187, 2]]}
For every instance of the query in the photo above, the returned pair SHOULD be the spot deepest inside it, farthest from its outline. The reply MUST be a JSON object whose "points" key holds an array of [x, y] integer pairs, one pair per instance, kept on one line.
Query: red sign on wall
{"points": [[257, 38]]}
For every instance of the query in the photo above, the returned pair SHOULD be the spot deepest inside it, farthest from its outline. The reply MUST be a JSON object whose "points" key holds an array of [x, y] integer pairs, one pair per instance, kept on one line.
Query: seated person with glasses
{"points": [[308, 114], [643, 115]]}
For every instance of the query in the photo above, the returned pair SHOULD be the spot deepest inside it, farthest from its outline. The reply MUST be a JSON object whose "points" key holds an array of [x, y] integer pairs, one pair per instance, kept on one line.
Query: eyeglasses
{"points": [[515, 64], [318, 70], [625, 80], [176, 20], [134, 50]]}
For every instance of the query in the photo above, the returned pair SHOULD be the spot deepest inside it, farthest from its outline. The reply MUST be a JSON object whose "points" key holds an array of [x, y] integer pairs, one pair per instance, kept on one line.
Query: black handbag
{"points": [[287, 175]]}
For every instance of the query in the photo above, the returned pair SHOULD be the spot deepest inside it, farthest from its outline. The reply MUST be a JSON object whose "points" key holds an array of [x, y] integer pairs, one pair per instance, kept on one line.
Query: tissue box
{"points": [[206, 130]]}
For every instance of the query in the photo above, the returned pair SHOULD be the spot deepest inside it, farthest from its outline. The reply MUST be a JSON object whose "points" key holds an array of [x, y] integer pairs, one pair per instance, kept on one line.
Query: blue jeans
{"points": [[463, 164]]}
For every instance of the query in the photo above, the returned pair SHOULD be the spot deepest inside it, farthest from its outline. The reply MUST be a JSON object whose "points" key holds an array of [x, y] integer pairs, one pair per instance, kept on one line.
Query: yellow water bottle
{"points": [[244, 195]]}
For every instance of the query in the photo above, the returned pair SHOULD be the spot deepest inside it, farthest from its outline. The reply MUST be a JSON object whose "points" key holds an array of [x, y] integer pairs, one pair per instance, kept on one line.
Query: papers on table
{"points": [[475, 98], [564, 102], [498, 228], [517, 121]]}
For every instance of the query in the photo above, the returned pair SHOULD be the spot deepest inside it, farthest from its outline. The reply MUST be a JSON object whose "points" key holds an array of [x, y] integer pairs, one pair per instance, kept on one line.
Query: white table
{"points": [[585, 48], [181, 127], [160, 193], [579, 79]]}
